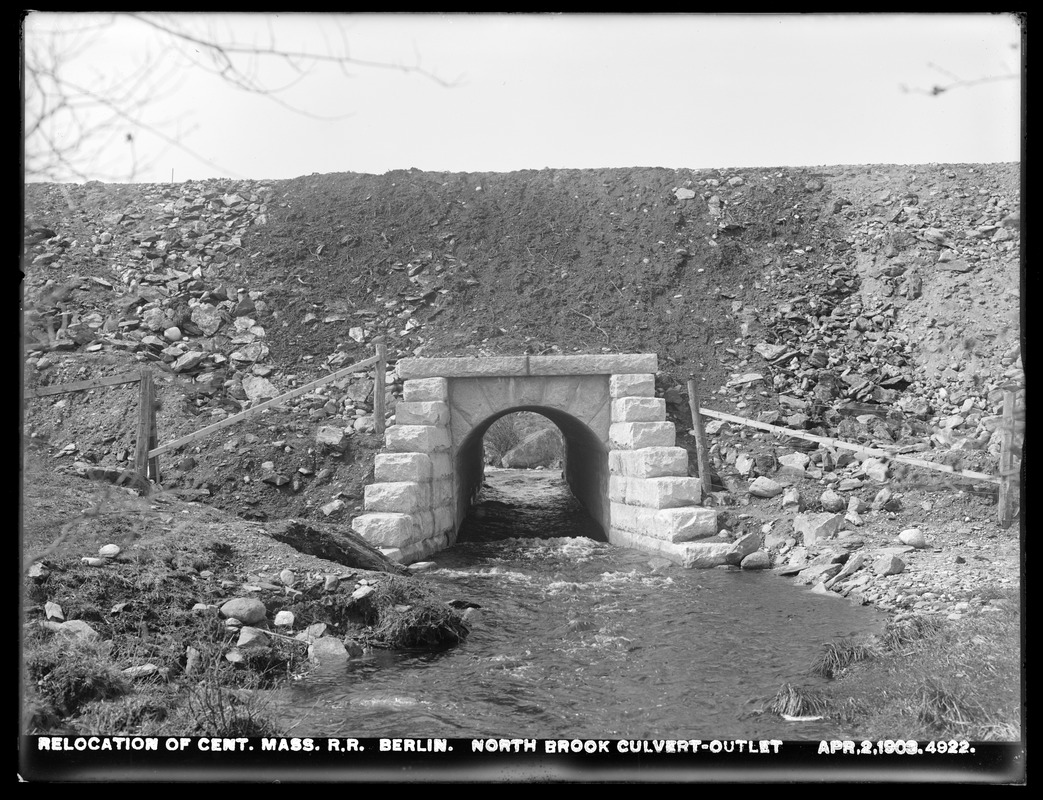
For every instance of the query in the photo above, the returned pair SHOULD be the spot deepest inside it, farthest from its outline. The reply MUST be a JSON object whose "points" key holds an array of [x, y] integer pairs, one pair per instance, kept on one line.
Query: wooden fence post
{"points": [[146, 425], [1005, 501], [700, 437], [379, 387], [153, 435]]}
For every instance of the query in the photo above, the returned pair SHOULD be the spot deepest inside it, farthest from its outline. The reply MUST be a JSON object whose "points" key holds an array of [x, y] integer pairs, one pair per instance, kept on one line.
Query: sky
{"points": [[117, 98]]}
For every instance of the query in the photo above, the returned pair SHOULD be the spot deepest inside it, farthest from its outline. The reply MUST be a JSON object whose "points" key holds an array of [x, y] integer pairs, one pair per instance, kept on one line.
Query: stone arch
{"points": [[585, 462], [621, 459]]}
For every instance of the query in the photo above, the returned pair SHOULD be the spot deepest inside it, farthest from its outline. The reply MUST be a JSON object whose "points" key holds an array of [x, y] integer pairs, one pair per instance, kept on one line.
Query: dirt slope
{"points": [[851, 292]]}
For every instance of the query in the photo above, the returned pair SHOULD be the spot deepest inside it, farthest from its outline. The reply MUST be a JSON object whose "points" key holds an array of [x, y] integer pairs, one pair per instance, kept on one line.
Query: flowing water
{"points": [[575, 638]]}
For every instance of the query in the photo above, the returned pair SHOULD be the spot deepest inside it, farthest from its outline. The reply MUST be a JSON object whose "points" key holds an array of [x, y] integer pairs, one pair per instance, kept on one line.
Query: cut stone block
{"points": [[403, 497], [697, 555], [649, 462], [664, 492], [426, 412], [639, 409], [426, 520], [442, 491], [636, 385], [387, 529], [422, 390], [441, 465], [445, 519], [636, 435], [416, 439], [671, 524], [394, 467]]}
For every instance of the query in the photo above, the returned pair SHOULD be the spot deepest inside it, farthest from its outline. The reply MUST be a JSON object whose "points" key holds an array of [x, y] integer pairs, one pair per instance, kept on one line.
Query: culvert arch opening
{"points": [[569, 496]]}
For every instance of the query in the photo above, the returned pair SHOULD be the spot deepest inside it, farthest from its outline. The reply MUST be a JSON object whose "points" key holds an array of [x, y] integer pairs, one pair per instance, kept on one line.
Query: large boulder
{"points": [[539, 449], [248, 610]]}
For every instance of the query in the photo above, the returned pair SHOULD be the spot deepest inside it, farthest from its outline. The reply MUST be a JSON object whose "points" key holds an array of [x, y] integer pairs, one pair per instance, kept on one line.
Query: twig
{"points": [[591, 321]]}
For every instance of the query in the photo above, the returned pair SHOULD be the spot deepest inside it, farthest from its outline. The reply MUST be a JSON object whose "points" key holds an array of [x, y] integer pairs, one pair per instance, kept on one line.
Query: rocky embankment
{"points": [[877, 305]]}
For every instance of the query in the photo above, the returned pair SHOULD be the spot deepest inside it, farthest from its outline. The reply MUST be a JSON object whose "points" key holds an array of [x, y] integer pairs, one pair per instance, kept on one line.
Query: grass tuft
{"points": [[900, 633], [401, 614], [943, 708], [797, 701], [838, 656], [64, 673]]}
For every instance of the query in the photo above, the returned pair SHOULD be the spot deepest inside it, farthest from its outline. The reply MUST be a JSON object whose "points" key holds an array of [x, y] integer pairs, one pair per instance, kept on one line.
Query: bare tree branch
{"points": [[76, 130], [956, 82]]}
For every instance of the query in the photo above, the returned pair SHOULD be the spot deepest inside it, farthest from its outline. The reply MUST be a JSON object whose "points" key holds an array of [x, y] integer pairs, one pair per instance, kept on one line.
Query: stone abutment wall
{"points": [[620, 457]]}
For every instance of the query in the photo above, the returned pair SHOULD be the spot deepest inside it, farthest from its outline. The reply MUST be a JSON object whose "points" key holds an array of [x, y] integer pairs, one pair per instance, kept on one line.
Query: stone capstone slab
{"points": [[409, 368], [613, 364]]}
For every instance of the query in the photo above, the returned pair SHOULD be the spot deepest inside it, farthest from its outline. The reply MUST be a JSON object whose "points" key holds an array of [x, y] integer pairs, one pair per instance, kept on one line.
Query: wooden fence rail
{"points": [[147, 450], [858, 448], [253, 410], [79, 386], [144, 467]]}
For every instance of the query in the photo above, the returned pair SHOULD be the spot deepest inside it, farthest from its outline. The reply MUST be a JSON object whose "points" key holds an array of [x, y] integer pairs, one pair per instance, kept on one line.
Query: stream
{"points": [[576, 638]]}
